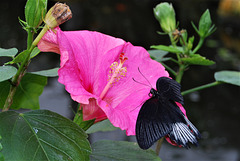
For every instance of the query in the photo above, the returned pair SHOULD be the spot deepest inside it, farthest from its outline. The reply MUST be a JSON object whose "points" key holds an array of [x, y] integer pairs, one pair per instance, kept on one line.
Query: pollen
{"points": [[115, 74]]}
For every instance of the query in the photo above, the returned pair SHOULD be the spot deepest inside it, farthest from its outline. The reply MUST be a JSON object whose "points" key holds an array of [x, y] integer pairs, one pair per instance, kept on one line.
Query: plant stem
{"points": [[199, 45], [173, 60], [15, 81], [159, 145], [169, 69], [30, 37], [22, 69], [179, 75], [40, 35], [201, 87]]}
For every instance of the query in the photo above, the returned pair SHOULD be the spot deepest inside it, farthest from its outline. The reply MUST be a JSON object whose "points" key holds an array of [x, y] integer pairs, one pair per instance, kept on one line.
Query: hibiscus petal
{"points": [[81, 52], [92, 111], [49, 41]]}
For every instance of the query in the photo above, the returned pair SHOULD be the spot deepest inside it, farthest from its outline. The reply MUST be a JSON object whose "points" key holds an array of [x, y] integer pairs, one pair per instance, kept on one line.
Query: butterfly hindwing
{"points": [[155, 120], [170, 89]]}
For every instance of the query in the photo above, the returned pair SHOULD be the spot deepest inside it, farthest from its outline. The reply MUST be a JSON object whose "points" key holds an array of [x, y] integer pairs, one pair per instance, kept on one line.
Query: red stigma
{"points": [[122, 58]]}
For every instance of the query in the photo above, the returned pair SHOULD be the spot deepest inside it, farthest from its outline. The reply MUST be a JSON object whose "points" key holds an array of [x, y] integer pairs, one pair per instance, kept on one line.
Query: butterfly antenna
{"points": [[144, 77], [141, 83]]}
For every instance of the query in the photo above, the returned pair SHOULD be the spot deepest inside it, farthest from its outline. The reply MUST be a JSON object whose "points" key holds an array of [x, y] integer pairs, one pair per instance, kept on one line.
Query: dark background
{"points": [[214, 111]]}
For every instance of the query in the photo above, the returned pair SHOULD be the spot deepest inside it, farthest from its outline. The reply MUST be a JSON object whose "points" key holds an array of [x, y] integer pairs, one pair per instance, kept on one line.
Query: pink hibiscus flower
{"points": [[98, 70]]}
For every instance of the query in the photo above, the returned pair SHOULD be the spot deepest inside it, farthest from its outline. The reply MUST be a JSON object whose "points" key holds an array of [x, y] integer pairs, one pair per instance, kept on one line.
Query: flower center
{"points": [[115, 74]]}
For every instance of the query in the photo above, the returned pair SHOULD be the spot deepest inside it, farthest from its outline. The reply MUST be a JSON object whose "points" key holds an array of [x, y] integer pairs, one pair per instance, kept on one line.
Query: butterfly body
{"points": [[160, 116]]}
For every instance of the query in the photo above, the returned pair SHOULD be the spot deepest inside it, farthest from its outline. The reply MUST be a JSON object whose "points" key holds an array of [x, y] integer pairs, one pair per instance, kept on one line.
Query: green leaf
{"points": [[167, 48], [103, 126], [121, 151], [1, 157], [19, 58], [22, 56], [42, 135], [27, 94], [197, 59], [78, 119], [8, 52], [231, 77], [48, 73], [7, 72], [157, 54], [35, 52]]}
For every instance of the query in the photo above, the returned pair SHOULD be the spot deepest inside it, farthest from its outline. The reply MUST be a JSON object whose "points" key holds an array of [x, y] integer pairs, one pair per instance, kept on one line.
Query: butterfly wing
{"points": [[184, 133], [169, 89], [155, 120]]}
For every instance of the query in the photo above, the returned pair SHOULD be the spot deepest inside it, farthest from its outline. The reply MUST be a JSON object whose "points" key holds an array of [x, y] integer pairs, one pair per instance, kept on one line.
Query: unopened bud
{"points": [[34, 11], [57, 15], [165, 14]]}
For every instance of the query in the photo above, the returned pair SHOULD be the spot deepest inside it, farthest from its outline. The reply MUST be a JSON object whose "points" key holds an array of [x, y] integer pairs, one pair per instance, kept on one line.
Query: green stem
{"points": [[182, 67], [173, 60], [169, 69], [199, 45], [159, 145], [15, 81], [179, 75], [22, 69], [201, 87], [40, 35], [30, 37]]}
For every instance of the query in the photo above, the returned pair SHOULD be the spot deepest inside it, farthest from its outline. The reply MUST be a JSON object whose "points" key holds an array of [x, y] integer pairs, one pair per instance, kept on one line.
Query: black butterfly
{"points": [[161, 116]]}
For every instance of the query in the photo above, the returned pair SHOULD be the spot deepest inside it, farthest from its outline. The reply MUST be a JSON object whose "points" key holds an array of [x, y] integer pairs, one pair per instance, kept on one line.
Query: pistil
{"points": [[115, 74]]}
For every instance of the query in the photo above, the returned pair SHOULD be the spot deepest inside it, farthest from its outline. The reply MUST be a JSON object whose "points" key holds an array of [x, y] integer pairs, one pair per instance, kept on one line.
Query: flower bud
{"points": [[165, 14], [34, 11], [57, 15], [205, 23]]}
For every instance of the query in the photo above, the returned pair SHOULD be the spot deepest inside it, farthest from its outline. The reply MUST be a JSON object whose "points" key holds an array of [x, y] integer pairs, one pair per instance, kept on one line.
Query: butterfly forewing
{"points": [[169, 89], [149, 127]]}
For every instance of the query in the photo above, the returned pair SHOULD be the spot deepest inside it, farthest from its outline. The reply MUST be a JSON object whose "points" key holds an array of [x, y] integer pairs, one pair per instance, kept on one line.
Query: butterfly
{"points": [[160, 116]]}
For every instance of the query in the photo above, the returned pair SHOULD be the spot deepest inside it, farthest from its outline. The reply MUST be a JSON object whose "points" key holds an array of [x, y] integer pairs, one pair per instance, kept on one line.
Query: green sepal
{"points": [[78, 119], [195, 28], [23, 24]]}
